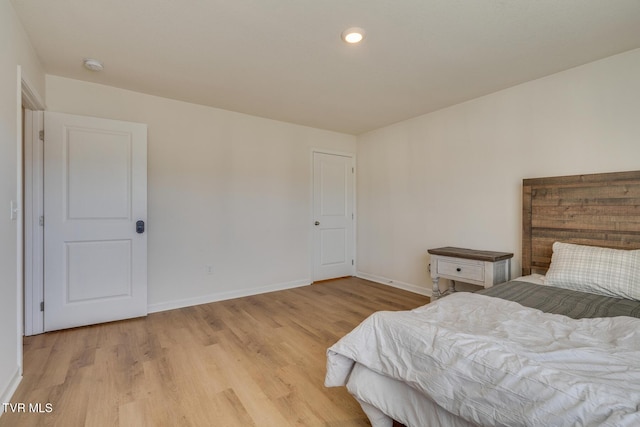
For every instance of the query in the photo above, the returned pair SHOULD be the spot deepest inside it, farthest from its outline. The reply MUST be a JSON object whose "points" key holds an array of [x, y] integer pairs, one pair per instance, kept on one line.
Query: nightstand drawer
{"points": [[462, 270]]}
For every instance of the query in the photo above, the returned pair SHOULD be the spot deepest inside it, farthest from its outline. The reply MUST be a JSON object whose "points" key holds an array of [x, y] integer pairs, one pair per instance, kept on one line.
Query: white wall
{"points": [[224, 189], [453, 177], [16, 51]]}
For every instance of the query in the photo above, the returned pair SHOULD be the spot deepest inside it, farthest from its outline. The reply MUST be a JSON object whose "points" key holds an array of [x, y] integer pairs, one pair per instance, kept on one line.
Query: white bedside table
{"points": [[483, 268]]}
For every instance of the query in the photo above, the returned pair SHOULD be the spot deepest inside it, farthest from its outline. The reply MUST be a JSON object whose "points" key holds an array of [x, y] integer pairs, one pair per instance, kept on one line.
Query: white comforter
{"points": [[494, 362]]}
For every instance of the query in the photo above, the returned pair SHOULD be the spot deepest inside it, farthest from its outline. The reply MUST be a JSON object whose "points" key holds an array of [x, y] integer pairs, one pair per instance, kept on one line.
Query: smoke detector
{"points": [[93, 64]]}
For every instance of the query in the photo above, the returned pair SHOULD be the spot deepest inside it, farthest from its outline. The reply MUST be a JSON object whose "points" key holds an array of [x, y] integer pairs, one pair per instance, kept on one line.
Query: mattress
{"points": [[385, 399]]}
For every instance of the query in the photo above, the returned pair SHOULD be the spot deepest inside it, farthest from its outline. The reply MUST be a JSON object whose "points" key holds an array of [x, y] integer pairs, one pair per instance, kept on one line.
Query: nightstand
{"points": [[483, 268]]}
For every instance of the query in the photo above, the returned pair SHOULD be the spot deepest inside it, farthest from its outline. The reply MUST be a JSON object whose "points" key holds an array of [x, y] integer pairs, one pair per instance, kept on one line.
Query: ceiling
{"points": [[284, 59]]}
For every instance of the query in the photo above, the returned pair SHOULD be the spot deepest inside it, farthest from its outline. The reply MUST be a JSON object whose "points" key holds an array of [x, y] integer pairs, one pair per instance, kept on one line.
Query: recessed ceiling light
{"points": [[93, 64], [353, 35]]}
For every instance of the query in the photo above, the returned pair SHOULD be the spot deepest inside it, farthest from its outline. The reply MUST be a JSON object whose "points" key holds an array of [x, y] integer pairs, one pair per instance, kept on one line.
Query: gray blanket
{"points": [[574, 304]]}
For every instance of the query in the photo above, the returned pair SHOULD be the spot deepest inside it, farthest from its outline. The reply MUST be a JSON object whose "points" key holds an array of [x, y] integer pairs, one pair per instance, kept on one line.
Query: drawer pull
{"points": [[458, 269]]}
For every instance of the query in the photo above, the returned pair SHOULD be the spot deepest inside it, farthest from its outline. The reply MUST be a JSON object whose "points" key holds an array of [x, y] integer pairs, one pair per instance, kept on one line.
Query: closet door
{"points": [[333, 212]]}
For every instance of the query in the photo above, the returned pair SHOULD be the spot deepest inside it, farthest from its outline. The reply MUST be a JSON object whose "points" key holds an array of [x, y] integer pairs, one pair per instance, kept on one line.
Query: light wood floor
{"points": [[255, 361]]}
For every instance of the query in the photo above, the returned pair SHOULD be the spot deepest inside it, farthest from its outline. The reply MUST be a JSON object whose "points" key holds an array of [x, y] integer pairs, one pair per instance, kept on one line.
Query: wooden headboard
{"points": [[597, 210]]}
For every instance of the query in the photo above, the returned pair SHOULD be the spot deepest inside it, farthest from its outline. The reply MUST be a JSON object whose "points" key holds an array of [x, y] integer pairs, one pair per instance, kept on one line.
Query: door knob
{"points": [[317, 223], [140, 227]]}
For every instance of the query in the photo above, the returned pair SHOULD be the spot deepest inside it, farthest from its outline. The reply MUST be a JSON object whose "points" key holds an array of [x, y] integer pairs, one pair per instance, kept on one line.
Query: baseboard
{"points": [[221, 296], [7, 394], [395, 283]]}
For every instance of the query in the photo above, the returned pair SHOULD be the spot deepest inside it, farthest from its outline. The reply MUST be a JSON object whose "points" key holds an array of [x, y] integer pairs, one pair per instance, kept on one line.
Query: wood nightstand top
{"points": [[470, 254]]}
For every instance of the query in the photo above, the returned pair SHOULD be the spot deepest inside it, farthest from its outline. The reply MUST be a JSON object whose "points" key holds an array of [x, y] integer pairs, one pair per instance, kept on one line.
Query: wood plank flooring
{"points": [[254, 361]]}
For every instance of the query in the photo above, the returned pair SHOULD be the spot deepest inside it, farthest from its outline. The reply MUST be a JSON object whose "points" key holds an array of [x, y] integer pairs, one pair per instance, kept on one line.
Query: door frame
{"points": [[33, 225], [30, 233], [312, 245]]}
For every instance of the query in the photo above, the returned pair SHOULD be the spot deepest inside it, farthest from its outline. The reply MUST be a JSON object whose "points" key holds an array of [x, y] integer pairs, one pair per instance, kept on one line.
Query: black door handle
{"points": [[140, 227]]}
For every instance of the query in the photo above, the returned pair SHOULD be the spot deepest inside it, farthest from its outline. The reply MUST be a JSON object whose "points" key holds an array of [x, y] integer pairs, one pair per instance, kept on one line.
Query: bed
{"points": [[558, 346]]}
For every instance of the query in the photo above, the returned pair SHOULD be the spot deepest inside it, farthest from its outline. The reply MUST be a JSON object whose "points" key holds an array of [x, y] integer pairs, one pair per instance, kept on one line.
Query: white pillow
{"points": [[604, 271]]}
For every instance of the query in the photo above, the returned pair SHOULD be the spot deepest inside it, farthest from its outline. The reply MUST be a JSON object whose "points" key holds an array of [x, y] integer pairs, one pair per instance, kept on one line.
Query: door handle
{"points": [[140, 227], [317, 223]]}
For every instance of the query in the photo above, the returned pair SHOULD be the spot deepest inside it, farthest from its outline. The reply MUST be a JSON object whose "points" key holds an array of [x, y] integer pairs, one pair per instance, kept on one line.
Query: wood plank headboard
{"points": [[597, 210]]}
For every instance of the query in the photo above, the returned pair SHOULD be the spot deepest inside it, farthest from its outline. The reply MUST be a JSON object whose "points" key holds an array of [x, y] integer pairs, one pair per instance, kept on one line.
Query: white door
{"points": [[333, 209], [95, 191]]}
